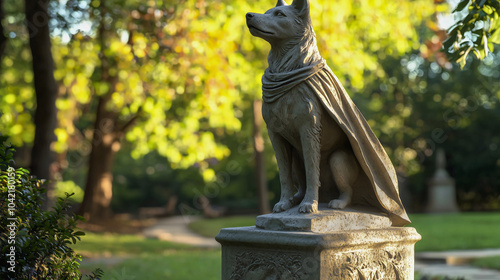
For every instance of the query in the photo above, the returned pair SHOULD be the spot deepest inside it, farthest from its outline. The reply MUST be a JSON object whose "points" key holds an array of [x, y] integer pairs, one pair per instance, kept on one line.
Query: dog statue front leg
{"points": [[283, 152], [311, 148]]}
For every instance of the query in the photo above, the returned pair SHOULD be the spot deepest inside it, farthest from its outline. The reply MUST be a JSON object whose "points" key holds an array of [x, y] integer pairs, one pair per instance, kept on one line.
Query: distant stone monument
{"points": [[442, 195], [351, 227]]}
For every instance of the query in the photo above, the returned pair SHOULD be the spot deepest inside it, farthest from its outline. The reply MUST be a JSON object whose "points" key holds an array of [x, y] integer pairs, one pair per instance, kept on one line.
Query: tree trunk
{"points": [[96, 205], [45, 118], [260, 167], [3, 39]]}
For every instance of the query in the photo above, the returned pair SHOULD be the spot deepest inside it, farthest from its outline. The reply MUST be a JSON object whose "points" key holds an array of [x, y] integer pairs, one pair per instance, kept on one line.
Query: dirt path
{"points": [[175, 229]]}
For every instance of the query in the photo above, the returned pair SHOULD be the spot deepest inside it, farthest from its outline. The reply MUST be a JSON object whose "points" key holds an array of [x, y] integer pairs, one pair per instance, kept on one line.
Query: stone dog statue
{"points": [[319, 136]]}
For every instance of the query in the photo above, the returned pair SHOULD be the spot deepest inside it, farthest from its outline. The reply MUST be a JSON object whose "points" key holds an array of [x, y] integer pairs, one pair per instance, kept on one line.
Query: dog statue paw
{"points": [[308, 207], [314, 126], [282, 205], [338, 204]]}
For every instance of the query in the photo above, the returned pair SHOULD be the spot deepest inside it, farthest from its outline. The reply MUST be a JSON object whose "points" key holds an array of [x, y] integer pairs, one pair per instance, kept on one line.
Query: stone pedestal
{"points": [[318, 252]]}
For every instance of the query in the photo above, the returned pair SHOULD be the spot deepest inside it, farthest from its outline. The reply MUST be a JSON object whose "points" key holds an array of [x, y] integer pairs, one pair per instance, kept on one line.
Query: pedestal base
{"points": [[325, 220], [255, 254]]}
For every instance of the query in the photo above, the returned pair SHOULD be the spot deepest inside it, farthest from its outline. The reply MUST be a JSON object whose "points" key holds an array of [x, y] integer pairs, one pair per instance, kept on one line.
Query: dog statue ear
{"points": [[302, 6], [281, 3]]}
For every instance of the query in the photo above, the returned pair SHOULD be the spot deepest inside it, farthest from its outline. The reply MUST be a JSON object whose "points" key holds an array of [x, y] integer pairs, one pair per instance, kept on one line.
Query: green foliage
{"points": [[16, 78], [35, 243], [168, 70], [16, 93], [422, 106], [65, 187], [477, 29], [6, 154], [150, 181], [354, 36]]}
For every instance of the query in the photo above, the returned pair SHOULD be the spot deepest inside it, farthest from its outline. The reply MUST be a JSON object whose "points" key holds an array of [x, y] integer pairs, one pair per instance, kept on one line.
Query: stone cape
{"points": [[373, 159]]}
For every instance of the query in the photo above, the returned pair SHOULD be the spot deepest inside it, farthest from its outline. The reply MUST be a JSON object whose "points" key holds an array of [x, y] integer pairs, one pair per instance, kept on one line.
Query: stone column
{"points": [[331, 244], [442, 196]]}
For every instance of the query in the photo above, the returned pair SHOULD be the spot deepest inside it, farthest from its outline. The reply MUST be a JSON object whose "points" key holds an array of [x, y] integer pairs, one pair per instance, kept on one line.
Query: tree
{"points": [[3, 39], [260, 167], [477, 29], [143, 92], [424, 106], [45, 118], [18, 76]]}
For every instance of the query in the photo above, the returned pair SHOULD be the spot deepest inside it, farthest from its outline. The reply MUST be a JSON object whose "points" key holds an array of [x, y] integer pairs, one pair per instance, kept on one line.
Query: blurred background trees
{"points": [[157, 98]]}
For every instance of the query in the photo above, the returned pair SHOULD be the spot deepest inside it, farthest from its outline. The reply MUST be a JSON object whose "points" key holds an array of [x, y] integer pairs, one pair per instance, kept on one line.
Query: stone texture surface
{"points": [[371, 254], [326, 220]]}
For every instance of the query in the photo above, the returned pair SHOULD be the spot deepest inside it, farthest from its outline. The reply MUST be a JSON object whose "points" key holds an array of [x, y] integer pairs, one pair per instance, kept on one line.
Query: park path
{"points": [[460, 271], [175, 229], [454, 264]]}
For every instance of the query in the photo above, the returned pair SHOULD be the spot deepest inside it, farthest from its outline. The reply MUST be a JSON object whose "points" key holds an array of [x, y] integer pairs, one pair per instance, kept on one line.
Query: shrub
{"points": [[35, 243]]}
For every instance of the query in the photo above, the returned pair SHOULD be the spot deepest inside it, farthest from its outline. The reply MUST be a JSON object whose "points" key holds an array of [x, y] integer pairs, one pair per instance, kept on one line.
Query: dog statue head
{"points": [[281, 23], [288, 29]]}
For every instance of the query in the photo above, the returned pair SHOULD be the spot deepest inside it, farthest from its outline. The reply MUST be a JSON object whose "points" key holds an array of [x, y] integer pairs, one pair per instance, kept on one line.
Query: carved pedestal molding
{"points": [[257, 254]]}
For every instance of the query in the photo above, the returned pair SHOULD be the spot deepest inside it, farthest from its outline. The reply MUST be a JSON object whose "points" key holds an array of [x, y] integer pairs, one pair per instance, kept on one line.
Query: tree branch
{"points": [[130, 123]]}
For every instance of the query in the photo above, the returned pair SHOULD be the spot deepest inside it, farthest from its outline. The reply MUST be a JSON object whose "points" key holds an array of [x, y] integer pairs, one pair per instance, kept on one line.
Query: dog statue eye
{"points": [[279, 14]]}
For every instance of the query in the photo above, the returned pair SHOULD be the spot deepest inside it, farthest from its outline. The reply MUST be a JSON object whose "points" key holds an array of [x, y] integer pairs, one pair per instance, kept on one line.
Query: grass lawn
{"points": [[211, 227], [103, 245], [172, 265], [143, 258], [489, 262], [461, 231]]}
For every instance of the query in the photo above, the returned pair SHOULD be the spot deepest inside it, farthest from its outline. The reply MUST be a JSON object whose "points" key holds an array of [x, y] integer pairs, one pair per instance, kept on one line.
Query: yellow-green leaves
{"points": [[16, 93], [476, 30]]}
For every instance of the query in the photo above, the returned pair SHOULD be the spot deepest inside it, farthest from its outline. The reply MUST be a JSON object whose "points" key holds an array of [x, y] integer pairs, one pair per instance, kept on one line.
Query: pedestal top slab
{"points": [[325, 220]]}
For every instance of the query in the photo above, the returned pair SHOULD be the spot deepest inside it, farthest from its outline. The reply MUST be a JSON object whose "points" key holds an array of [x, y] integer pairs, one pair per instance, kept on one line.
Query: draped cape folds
{"points": [[367, 148]]}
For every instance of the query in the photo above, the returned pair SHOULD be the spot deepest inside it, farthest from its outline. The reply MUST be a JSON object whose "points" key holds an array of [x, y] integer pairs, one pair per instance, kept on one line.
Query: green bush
{"points": [[35, 243]]}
